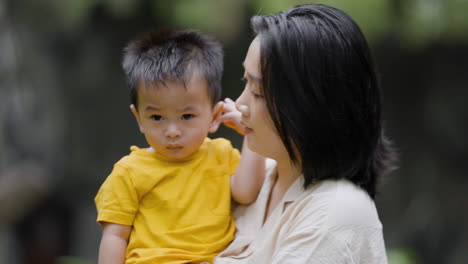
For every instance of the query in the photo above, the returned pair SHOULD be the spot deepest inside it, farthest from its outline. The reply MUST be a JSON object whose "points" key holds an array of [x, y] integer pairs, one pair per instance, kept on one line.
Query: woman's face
{"points": [[260, 132]]}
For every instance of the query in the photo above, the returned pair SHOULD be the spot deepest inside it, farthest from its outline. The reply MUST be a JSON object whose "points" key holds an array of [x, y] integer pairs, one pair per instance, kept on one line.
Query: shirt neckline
{"points": [[156, 155], [294, 192]]}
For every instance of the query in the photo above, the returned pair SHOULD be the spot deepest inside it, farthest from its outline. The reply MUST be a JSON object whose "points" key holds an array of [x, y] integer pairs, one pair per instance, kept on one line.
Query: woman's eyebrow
{"points": [[254, 78]]}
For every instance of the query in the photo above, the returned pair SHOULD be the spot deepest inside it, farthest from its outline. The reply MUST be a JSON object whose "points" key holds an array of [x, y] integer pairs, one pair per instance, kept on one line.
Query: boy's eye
{"points": [[187, 116], [156, 117]]}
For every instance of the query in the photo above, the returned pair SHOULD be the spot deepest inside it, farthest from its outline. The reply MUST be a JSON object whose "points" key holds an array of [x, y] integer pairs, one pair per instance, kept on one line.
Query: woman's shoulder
{"points": [[353, 206], [343, 204]]}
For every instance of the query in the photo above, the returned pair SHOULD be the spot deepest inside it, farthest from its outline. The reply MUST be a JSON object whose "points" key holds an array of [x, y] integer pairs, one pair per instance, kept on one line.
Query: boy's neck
{"points": [[151, 149]]}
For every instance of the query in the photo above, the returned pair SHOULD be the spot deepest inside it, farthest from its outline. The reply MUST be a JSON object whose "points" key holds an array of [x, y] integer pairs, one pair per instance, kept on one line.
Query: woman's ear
{"points": [[137, 117], [217, 112]]}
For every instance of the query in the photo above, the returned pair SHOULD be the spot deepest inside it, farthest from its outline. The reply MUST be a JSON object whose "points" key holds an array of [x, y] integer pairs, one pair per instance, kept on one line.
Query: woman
{"points": [[312, 104]]}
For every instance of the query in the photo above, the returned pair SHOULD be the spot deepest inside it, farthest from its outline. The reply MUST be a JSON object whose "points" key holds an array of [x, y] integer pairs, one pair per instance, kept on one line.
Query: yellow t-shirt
{"points": [[180, 212]]}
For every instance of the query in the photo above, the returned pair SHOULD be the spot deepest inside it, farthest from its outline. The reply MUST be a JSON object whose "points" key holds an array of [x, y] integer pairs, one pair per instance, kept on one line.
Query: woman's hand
{"points": [[231, 117]]}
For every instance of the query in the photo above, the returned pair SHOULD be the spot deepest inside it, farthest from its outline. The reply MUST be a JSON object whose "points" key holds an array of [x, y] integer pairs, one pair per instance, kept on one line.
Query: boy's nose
{"points": [[173, 131]]}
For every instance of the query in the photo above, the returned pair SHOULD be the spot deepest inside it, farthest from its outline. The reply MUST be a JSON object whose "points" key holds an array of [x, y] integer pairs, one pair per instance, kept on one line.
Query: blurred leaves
{"points": [[73, 260], [373, 16], [60, 14], [413, 22], [121, 8], [219, 17], [401, 256], [427, 20], [359, 10], [267, 7]]}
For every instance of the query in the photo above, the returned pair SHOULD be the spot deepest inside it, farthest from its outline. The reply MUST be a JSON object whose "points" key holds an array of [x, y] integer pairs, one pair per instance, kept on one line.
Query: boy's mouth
{"points": [[174, 147]]}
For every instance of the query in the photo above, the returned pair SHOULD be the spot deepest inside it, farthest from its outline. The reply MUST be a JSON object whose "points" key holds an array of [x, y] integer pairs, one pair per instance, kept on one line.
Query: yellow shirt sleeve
{"points": [[227, 155], [117, 199], [233, 160]]}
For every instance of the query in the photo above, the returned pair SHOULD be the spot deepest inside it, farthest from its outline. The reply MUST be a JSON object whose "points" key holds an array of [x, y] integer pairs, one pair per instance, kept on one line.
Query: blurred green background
{"points": [[64, 116]]}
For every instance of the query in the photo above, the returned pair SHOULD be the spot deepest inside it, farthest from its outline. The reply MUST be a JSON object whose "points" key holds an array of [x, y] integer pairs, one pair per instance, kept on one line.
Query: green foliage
{"points": [[401, 256], [425, 21], [121, 8], [222, 18], [72, 260], [372, 16], [267, 7], [422, 22], [415, 23], [358, 9], [66, 14]]}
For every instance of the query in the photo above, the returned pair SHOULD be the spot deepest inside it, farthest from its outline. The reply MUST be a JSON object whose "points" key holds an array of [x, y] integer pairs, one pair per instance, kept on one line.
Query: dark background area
{"points": [[65, 120]]}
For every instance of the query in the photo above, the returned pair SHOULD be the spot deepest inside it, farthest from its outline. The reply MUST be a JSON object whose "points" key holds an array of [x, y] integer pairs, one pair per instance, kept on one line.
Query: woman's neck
{"points": [[287, 174]]}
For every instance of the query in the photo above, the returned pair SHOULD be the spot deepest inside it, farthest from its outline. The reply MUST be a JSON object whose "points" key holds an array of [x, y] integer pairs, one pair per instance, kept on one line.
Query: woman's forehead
{"points": [[252, 59]]}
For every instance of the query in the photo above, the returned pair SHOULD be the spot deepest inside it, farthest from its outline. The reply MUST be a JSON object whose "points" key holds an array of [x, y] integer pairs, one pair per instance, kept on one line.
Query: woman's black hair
{"points": [[322, 94]]}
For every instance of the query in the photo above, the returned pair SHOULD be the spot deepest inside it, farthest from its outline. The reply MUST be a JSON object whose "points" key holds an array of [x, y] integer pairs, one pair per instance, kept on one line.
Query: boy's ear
{"points": [[137, 117], [217, 112]]}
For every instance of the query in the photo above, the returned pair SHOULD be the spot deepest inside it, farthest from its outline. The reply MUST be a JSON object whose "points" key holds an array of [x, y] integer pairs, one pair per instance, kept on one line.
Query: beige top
{"points": [[334, 221]]}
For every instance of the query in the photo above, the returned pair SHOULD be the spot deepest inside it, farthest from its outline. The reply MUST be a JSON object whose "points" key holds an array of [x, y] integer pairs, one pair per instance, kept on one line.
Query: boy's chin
{"points": [[178, 155]]}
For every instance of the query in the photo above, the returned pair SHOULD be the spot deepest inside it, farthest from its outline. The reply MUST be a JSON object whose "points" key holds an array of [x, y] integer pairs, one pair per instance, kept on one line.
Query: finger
{"points": [[226, 119], [229, 102], [230, 116], [228, 109]]}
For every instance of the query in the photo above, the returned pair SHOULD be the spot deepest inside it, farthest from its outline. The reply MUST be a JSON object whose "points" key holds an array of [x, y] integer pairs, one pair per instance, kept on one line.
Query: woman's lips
{"points": [[246, 130]]}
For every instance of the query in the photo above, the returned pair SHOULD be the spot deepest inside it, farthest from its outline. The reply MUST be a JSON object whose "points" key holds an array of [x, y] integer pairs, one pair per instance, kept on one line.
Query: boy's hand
{"points": [[231, 117]]}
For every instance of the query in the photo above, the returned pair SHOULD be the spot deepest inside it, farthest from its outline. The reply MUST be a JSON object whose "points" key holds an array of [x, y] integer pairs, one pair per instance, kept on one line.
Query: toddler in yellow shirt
{"points": [[171, 202]]}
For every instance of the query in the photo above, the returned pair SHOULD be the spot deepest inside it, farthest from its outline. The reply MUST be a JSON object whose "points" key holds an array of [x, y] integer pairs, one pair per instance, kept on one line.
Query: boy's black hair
{"points": [[163, 54], [322, 94]]}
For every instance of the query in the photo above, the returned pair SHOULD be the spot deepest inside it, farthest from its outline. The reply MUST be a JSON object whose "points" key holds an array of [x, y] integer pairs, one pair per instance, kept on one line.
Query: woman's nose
{"points": [[241, 105]]}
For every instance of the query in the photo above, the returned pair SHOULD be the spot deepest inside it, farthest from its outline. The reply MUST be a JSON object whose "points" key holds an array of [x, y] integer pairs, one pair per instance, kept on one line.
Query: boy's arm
{"points": [[113, 243], [248, 178]]}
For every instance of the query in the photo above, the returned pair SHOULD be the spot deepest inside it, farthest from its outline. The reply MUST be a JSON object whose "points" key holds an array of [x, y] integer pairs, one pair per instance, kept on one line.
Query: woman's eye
{"points": [[187, 116], [156, 117], [256, 95]]}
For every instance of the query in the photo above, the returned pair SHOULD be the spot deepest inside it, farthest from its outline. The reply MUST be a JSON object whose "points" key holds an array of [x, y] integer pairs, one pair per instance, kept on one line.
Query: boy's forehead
{"points": [[185, 95], [187, 75], [195, 84]]}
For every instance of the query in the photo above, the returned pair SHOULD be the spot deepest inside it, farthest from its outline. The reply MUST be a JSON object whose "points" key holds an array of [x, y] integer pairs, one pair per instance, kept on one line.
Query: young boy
{"points": [[170, 203]]}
